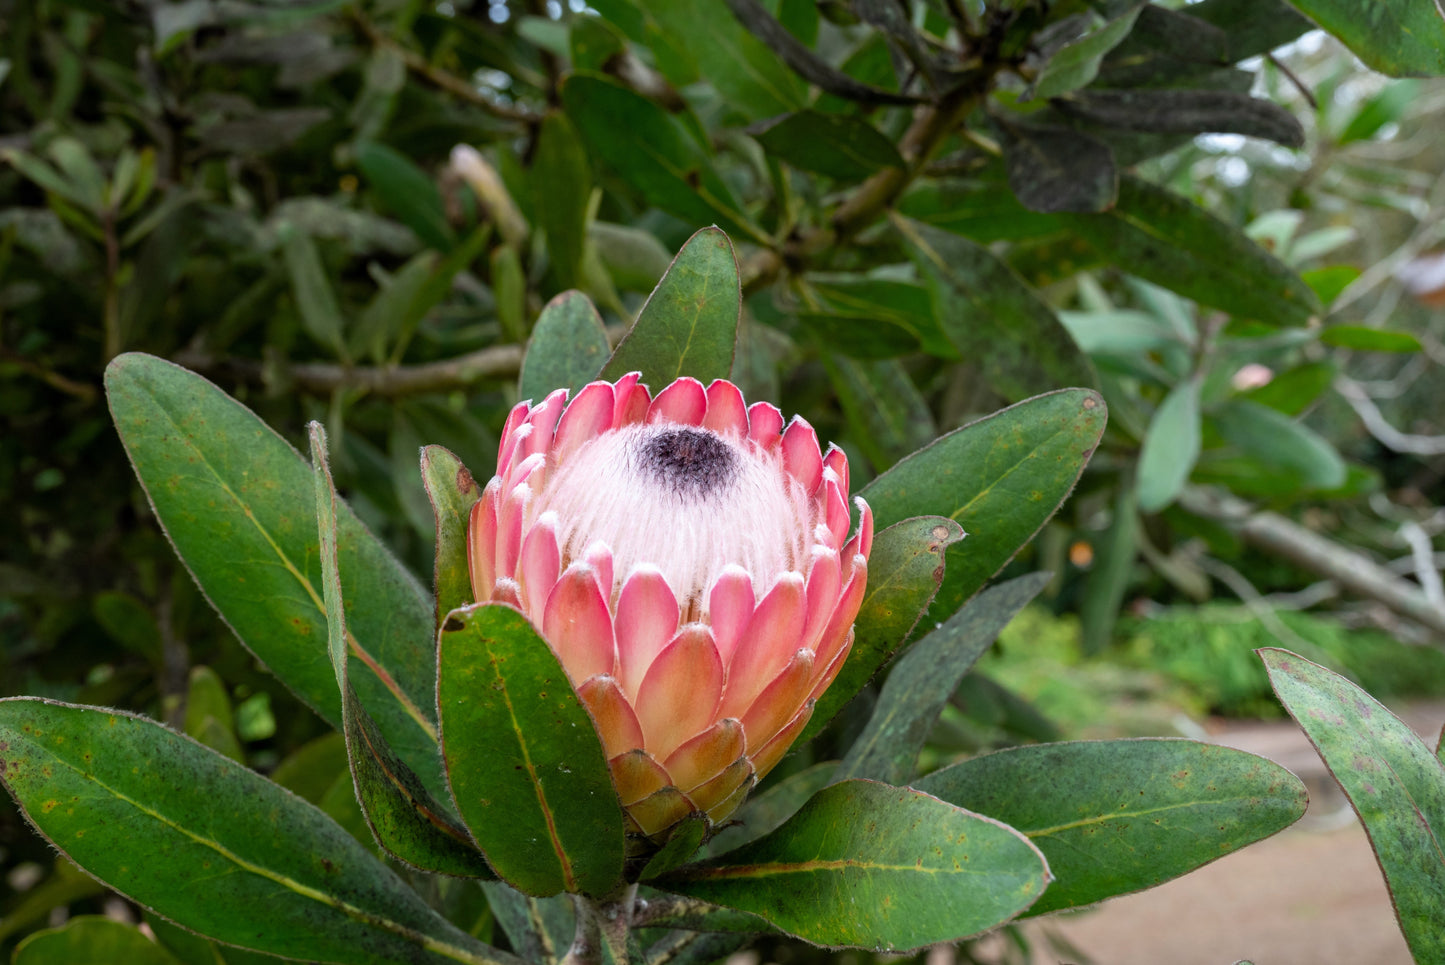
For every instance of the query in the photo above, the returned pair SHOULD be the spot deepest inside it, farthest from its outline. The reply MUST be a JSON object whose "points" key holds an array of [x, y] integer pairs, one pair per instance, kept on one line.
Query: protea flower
{"points": [[687, 559]]}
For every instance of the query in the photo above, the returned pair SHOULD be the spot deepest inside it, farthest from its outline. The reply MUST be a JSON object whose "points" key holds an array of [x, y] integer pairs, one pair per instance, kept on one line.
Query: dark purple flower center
{"points": [[690, 462]]}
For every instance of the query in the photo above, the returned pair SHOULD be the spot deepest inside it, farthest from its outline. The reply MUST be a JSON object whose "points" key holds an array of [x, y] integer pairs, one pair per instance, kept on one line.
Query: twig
{"points": [[1379, 427], [1254, 603], [55, 380], [1423, 555], [1305, 92], [388, 381]]}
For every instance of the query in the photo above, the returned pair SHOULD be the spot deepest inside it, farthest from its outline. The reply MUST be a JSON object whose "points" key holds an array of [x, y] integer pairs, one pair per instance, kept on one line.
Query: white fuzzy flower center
{"points": [[686, 500]]}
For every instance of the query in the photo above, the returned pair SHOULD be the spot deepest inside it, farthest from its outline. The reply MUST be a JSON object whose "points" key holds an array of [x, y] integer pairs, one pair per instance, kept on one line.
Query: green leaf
{"points": [[1197, 111], [979, 209], [208, 714], [452, 490], [1001, 478], [689, 325], [1366, 339], [567, 350], [904, 571], [237, 503], [1330, 281], [888, 415], [1052, 169], [905, 305], [526, 766], [1278, 441], [405, 818], [1113, 817], [765, 812], [1076, 64], [1393, 781], [540, 929], [1171, 447], [1294, 391], [840, 146], [683, 841], [90, 938], [391, 309], [407, 192], [1385, 107], [203, 841], [561, 187], [649, 150], [315, 298], [989, 312], [1159, 236], [1112, 572], [195, 950], [871, 866], [1254, 27], [1402, 38], [634, 258], [861, 336], [750, 78], [128, 622], [921, 682]]}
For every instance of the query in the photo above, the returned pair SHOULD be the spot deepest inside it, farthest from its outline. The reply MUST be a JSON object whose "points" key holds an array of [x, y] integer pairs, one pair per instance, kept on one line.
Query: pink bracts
{"points": [[687, 559]]}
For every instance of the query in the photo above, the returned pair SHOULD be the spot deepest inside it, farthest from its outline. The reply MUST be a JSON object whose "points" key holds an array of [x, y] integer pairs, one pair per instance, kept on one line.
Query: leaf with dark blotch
{"points": [[1114, 817], [1402, 38], [1001, 478], [452, 491], [989, 312], [866, 865], [1394, 783], [1053, 169], [1254, 27], [904, 571], [840, 146], [140, 807], [567, 348], [1185, 112], [522, 754], [237, 502], [406, 820], [804, 62], [1161, 237], [649, 149], [921, 681], [689, 325], [1075, 64]]}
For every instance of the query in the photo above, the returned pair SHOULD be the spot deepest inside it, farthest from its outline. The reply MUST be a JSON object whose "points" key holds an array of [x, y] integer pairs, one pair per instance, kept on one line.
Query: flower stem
{"points": [[603, 926]]}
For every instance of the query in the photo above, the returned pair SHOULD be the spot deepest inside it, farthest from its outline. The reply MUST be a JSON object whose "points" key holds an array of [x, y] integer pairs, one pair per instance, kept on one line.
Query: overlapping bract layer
{"points": [[687, 558]]}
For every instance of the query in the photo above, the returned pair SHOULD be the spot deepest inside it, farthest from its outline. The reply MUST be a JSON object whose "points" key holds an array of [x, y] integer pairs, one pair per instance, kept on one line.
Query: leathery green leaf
{"points": [[237, 502], [1161, 237], [526, 766], [1171, 447], [567, 349], [561, 184], [923, 679], [1000, 478], [1402, 38], [1277, 440], [1114, 817], [404, 817], [1393, 781], [866, 865], [90, 938], [452, 491], [689, 325], [904, 571], [211, 845]]}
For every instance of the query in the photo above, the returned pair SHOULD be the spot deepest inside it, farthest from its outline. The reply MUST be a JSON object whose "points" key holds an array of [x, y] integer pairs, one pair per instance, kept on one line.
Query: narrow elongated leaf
{"points": [[1186, 112], [406, 820], [1109, 577], [568, 347], [315, 299], [203, 841], [1157, 235], [648, 149], [1366, 339], [540, 929], [1000, 478], [1392, 780], [1076, 64], [921, 682], [1253, 27], [238, 505], [90, 938], [749, 76], [1277, 440], [452, 491], [561, 186], [904, 304], [841, 146], [1114, 817], [988, 311], [407, 192], [889, 415], [904, 571], [1171, 447], [861, 336], [1402, 38], [1054, 169], [526, 766], [871, 866], [689, 325]]}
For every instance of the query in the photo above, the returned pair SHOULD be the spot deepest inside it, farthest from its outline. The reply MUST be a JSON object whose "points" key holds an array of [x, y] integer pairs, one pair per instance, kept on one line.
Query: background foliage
{"points": [[937, 214]]}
